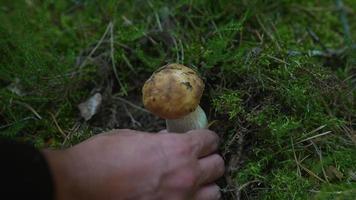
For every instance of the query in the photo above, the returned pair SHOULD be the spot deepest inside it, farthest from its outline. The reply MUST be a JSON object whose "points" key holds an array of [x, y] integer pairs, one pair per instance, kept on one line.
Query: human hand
{"points": [[128, 164]]}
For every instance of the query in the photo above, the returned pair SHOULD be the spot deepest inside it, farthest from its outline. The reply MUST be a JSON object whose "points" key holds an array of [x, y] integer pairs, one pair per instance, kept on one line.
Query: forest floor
{"points": [[279, 75]]}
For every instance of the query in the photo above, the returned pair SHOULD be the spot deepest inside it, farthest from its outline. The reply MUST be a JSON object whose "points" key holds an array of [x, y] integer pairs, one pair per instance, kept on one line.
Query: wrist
{"points": [[59, 166]]}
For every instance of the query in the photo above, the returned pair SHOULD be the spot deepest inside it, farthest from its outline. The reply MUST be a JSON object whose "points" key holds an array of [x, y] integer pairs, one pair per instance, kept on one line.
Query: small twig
{"points": [[319, 53], [316, 39], [133, 120], [333, 192], [344, 21], [131, 104], [248, 183], [237, 136]]}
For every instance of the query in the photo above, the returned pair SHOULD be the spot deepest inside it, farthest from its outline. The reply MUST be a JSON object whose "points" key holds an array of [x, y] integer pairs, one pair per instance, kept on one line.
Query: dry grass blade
{"points": [[127, 61], [248, 183], [111, 27], [318, 151], [311, 173], [317, 129], [21, 120], [57, 125], [29, 108], [177, 49], [350, 133], [315, 136], [74, 129], [96, 47], [295, 158], [268, 32], [278, 59]]}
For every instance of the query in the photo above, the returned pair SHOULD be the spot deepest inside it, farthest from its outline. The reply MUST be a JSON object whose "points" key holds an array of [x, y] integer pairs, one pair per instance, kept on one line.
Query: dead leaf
{"points": [[333, 173], [16, 88], [352, 175], [90, 107]]}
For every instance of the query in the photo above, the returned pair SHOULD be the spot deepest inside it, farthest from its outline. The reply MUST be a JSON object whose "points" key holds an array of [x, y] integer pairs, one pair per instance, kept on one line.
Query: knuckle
{"points": [[196, 144], [206, 135], [188, 179], [204, 132], [176, 145], [183, 149]]}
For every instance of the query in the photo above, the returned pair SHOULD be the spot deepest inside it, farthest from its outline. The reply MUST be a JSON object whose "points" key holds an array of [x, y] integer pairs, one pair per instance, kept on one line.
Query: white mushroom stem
{"points": [[194, 120]]}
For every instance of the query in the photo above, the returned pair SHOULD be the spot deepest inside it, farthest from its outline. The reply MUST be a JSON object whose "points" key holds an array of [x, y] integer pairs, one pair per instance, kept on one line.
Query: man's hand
{"points": [[133, 165]]}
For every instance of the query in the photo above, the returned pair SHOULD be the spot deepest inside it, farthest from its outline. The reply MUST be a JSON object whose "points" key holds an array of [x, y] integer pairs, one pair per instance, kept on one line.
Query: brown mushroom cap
{"points": [[173, 91]]}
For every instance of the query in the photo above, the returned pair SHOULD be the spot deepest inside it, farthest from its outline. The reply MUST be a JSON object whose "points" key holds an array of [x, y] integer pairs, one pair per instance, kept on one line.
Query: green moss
{"points": [[268, 78], [285, 184], [229, 102], [337, 191]]}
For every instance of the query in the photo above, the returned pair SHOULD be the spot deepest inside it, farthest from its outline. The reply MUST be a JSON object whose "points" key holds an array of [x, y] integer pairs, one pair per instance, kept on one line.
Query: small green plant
{"points": [[229, 102]]}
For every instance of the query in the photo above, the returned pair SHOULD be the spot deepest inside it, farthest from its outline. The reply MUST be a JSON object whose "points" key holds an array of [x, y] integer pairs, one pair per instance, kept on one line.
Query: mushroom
{"points": [[173, 92]]}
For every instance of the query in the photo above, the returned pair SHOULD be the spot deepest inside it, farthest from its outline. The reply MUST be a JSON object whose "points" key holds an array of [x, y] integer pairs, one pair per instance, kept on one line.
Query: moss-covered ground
{"points": [[280, 81]]}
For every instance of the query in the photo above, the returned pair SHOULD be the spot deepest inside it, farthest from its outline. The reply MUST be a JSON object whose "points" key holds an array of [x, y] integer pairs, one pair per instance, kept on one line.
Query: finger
{"points": [[204, 142], [209, 192], [115, 132], [211, 168], [164, 131]]}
